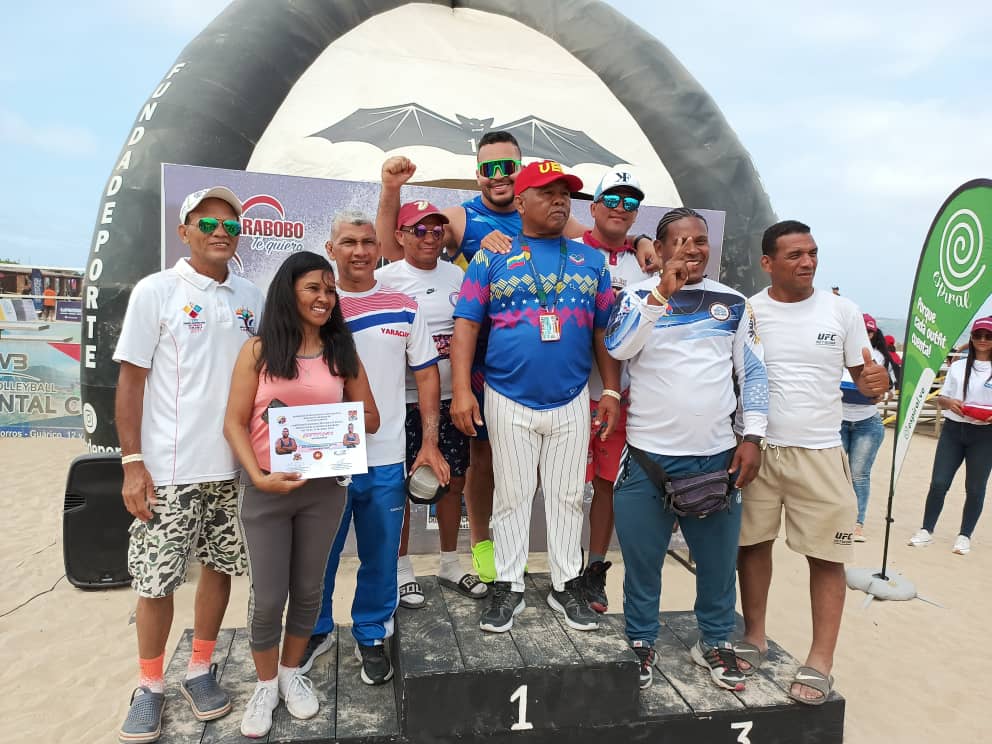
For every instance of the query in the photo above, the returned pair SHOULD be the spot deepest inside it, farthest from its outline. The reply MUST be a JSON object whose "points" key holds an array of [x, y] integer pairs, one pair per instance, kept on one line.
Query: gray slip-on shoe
{"points": [[144, 719], [205, 696]]}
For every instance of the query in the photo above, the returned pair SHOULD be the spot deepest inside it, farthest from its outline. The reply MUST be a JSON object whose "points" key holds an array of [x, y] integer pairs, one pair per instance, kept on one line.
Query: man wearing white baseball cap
{"points": [[181, 335]]}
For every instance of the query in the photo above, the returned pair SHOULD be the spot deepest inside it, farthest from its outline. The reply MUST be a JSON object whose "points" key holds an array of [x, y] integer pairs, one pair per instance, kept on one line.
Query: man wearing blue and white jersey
{"points": [[685, 337]]}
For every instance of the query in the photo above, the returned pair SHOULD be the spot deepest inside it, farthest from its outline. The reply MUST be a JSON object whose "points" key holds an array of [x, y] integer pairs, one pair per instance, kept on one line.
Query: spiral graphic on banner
{"points": [[961, 246]]}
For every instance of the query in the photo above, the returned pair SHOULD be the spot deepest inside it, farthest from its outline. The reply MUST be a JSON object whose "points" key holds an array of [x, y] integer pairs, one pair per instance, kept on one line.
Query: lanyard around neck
{"points": [[542, 296]]}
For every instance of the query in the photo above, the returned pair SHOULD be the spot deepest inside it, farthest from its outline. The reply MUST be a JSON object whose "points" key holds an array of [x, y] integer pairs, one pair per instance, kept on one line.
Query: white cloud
{"points": [[54, 138]]}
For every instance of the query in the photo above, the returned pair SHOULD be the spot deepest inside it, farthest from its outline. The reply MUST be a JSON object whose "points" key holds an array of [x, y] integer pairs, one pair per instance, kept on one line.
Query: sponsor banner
{"points": [[285, 214], [69, 310], [39, 389], [953, 282]]}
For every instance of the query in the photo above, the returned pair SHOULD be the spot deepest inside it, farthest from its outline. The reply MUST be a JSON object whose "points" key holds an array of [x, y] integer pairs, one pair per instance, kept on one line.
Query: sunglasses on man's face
{"points": [[498, 168], [421, 231], [981, 336], [207, 225], [612, 201]]}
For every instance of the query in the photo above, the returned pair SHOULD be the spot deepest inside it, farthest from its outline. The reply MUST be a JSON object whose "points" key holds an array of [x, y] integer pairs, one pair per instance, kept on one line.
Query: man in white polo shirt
{"points": [[181, 335], [434, 285]]}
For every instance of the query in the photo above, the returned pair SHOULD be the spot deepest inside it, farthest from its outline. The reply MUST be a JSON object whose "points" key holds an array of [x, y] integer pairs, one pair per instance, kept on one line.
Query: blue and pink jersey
{"points": [[519, 365]]}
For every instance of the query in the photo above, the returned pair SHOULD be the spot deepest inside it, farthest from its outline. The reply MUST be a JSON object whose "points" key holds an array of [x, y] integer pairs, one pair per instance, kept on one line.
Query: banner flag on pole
{"points": [[953, 281]]}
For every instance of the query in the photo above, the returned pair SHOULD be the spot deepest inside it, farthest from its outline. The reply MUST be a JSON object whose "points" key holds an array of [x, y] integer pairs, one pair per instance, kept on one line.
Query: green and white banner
{"points": [[953, 281]]}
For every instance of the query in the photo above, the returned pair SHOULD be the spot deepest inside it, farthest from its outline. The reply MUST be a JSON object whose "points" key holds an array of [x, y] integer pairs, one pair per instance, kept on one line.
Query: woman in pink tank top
{"points": [[303, 355]]}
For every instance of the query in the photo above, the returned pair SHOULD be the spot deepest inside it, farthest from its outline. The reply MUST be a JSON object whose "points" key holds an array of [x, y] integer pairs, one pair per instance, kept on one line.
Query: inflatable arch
{"points": [[327, 87]]}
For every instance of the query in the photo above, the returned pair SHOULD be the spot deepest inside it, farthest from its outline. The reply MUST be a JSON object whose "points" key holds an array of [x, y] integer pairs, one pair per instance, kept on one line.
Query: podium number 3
{"points": [[520, 697], [745, 728]]}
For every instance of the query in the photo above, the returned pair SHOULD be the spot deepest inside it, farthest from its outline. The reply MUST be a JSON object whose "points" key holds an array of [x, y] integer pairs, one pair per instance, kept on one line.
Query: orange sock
{"points": [[199, 661], [151, 674]]}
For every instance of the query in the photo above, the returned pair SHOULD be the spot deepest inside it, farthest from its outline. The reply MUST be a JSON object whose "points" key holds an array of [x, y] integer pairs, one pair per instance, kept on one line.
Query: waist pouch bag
{"points": [[697, 495]]}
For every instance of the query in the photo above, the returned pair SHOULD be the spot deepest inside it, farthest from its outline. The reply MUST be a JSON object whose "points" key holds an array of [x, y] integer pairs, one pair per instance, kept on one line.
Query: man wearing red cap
{"points": [[434, 285], [548, 301]]}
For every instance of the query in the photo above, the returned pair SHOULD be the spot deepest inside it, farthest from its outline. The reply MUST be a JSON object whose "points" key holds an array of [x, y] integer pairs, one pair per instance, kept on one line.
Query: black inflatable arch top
{"points": [[249, 58]]}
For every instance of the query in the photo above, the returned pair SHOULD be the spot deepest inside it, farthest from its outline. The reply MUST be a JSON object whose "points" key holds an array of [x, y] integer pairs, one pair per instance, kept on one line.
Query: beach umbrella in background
{"points": [[328, 87], [952, 286]]}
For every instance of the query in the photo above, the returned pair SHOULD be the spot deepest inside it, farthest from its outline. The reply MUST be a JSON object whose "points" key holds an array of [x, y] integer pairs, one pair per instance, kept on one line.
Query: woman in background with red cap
{"points": [[861, 429], [965, 436]]}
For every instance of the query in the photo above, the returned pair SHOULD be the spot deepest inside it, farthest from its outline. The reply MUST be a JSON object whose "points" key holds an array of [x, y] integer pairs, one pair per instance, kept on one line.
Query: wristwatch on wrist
{"points": [[755, 439]]}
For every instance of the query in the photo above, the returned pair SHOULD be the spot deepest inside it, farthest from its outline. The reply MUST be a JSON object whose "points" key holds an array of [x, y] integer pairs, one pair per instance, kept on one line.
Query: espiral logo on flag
{"points": [[961, 265]]}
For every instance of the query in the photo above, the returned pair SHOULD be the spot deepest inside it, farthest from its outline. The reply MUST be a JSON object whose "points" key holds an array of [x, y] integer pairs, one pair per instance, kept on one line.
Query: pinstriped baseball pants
{"points": [[528, 443]]}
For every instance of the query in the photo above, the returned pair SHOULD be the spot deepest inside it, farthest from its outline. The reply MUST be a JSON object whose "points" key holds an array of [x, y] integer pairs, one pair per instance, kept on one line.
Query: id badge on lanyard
{"points": [[548, 319]]}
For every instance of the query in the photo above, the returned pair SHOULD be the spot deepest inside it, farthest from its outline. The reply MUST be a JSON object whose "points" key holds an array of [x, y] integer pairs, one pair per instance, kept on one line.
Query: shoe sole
{"points": [[207, 715], [645, 684], [509, 623], [556, 606], [961, 552], [698, 658], [322, 649], [140, 738]]}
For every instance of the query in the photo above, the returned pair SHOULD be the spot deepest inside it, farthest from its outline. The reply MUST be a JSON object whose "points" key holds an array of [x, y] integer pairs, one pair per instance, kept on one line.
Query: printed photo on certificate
{"points": [[318, 441]]}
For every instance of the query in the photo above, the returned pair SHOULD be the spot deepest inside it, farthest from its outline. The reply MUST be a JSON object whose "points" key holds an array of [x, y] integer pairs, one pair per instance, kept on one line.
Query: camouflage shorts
{"points": [[203, 516]]}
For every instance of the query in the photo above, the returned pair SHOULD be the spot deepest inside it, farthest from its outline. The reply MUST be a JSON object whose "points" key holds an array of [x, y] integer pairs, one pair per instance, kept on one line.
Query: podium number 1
{"points": [[520, 696]]}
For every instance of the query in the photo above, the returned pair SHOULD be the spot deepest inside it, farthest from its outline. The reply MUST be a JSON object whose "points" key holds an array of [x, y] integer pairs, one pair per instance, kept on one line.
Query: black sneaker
{"points": [[571, 602], [645, 655], [722, 663], [504, 605], [318, 644], [594, 581], [376, 669]]}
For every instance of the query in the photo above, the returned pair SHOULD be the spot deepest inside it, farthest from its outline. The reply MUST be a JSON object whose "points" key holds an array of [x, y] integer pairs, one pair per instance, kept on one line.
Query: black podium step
{"points": [[350, 711], [457, 679], [541, 683]]}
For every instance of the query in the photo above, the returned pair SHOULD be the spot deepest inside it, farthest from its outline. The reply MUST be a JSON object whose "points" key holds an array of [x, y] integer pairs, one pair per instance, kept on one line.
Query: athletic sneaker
{"points": [[571, 602], [962, 546], [722, 663], [257, 719], [921, 538], [301, 701], [376, 669], [144, 718], [206, 698], [645, 655], [594, 582], [504, 605], [319, 643]]}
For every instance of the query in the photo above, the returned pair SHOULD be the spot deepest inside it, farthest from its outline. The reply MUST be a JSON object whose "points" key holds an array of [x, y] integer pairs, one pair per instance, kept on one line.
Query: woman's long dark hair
{"points": [[877, 339], [281, 331]]}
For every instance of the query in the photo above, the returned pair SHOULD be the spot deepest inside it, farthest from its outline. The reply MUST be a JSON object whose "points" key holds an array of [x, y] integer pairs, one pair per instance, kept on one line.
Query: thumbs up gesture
{"points": [[874, 378]]}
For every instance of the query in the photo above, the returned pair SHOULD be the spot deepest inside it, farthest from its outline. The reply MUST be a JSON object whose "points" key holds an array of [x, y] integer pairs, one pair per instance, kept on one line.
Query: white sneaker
{"points": [[258, 713], [962, 546], [301, 701], [921, 538]]}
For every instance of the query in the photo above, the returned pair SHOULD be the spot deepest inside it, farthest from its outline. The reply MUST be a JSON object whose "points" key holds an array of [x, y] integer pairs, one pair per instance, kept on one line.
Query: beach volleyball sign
{"points": [[953, 281]]}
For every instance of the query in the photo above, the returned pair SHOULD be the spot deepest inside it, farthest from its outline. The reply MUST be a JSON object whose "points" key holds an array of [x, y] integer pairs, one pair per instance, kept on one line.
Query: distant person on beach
{"points": [[303, 355], [177, 347], [861, 431], [48, 303], [809, 337], [966, 436]]}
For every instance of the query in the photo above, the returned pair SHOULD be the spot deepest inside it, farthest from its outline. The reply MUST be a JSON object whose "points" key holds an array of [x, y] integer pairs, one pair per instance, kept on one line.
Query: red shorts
{"points": [[604, 457]]}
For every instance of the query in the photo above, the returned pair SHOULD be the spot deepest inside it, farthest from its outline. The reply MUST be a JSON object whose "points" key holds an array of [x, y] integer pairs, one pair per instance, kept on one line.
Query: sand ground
{"points": [[69, 655]]}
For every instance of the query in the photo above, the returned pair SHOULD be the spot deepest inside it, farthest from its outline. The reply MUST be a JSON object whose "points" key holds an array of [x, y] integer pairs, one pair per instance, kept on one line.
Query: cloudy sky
{"points": [[860, 117]]}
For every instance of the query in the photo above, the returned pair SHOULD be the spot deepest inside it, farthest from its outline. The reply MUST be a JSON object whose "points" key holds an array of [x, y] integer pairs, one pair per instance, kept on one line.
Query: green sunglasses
{"points": [[499, 168], [207, 225]]}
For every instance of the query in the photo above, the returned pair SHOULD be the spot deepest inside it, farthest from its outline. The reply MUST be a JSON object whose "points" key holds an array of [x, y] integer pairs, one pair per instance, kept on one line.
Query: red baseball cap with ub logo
{"points": [[544, 172]]}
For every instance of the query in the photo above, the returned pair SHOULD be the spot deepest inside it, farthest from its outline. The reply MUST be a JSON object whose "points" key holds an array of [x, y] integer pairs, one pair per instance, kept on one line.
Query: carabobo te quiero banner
{"points": [[953, 281], [284, 214]]}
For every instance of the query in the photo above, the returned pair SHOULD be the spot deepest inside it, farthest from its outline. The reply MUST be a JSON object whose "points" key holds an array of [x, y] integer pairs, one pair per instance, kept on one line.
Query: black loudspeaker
{"points": [[95, 523]]}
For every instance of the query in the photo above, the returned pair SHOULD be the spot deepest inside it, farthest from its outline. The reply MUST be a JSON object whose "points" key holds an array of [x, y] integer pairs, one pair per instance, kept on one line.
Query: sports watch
{"points": [[755, 439]]}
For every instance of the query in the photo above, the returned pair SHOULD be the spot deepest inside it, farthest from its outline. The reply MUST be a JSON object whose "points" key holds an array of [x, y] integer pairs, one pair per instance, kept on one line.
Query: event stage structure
{"points": [[542, 682]]}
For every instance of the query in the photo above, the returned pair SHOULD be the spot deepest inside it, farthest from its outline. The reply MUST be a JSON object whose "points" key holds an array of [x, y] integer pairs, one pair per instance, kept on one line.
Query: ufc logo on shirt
{"points": [[826, 339]]}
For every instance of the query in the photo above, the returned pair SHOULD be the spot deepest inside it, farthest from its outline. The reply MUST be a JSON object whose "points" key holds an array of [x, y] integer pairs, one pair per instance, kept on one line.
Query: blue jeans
{"points": [[959, 442], [375, 500], [861, 440], [644, 528]]}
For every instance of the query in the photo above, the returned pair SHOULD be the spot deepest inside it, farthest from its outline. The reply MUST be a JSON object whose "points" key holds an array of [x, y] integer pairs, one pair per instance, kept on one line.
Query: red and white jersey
{"points": [[390, 334]]}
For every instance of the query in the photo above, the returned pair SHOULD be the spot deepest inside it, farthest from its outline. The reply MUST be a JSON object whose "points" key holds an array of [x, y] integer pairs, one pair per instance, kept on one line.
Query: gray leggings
{"points": [[288, 538]]}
